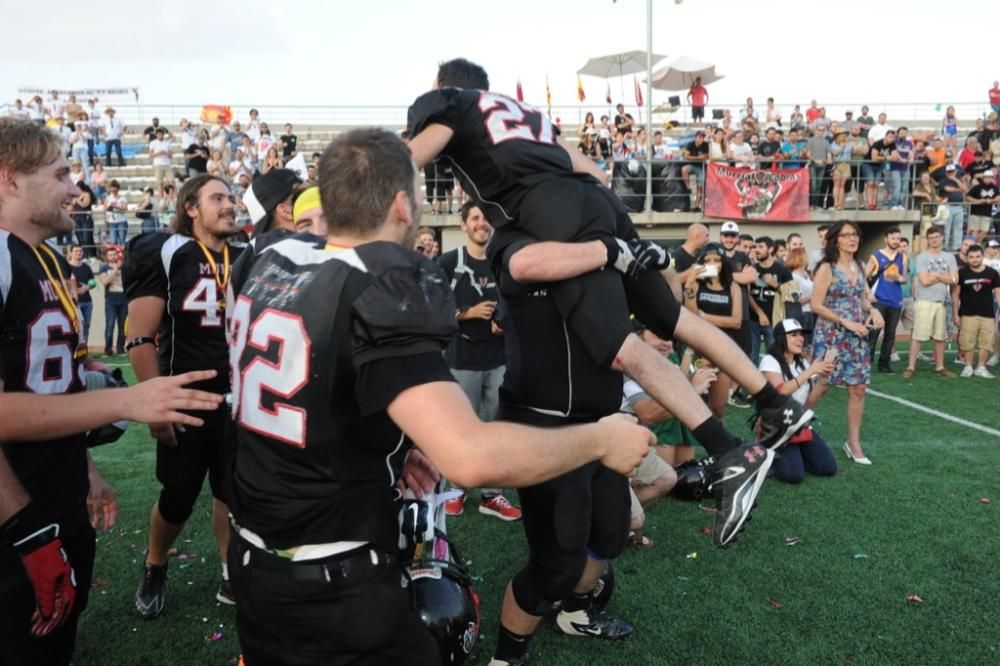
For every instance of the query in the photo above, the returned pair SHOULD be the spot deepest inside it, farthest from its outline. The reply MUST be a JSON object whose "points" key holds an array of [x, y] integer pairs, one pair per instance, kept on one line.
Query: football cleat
{"points": [[736, 480], [591, 622], [779, 424], [150, 597], [518, 661], [499, 507], [225, 593]]}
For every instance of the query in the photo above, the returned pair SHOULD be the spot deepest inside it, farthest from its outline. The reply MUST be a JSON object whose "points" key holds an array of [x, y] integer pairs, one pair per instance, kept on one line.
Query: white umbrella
{"points": [[681, 73], [617, 64]]}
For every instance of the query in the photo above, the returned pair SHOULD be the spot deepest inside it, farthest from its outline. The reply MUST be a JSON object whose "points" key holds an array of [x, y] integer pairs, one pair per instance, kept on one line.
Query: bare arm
{"points": [[429, 143], [821, 284], [144, 317], [582, 164], [13, 497], [651, 412], [550, 261], [472, 453]]}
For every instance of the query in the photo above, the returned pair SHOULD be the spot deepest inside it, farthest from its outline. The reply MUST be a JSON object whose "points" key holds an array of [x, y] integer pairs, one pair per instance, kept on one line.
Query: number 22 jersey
{"points": [[501, 147], [175, 268]]}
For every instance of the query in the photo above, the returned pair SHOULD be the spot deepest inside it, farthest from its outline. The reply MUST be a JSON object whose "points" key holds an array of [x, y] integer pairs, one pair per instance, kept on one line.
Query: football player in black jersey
{"points": [[176, 286], [47, 480], [337, 367]]}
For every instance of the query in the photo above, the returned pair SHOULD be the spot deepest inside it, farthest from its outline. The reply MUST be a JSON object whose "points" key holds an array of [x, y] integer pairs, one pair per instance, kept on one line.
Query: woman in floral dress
{"points": [[843, 316]]}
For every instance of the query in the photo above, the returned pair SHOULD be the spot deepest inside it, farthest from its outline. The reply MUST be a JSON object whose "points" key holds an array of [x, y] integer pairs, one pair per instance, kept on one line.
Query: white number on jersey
{"points": [[507, 119], [204, 298], [50, 364], [282, 379]]}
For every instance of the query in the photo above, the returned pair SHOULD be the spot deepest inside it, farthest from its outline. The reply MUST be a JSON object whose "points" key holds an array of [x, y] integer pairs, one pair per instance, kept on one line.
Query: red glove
{"points": [[48, 569]]}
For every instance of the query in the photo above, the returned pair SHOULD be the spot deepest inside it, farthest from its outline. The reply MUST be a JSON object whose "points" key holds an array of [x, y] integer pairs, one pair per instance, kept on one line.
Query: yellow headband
{"points": [[308, 200]]}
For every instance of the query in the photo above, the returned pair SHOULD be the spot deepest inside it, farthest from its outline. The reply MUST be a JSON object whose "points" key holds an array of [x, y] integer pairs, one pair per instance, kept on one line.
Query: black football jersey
{"points": [[500, 149], [37, 345], [323, 340], [192, 335]]}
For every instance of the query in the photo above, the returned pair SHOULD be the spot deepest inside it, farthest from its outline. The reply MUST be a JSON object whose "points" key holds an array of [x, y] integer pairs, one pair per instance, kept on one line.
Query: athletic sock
{"points": [[511, 646], [768, 396], [225, 571], [576, 602], [714, 437]]}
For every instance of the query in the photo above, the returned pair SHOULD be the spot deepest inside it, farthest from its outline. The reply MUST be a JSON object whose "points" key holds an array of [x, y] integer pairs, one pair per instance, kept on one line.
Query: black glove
{"points": [[47, 567], [635, 256]]}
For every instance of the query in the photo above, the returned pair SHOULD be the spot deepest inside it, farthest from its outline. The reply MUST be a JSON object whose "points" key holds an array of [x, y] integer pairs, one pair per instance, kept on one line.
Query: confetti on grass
{"points": [[791, 540], [915, 598], [984, 500], [776, 604], [860, 556]]}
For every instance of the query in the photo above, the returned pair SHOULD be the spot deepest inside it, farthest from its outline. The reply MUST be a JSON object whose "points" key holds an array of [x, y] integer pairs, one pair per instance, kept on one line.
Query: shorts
{"points": [[650, 469], [16, 644], [975, 332], [872, 172], [929, 322], [842, 170], [743, 337], [697, 170], [673, 433], [298, 614], [908, 315], [980, 223], [163, 174], [207, 449], [697, 112]]}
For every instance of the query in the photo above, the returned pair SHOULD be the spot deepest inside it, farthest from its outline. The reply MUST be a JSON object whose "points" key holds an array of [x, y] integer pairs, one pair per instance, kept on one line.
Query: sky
{"points": [[385, 52]]}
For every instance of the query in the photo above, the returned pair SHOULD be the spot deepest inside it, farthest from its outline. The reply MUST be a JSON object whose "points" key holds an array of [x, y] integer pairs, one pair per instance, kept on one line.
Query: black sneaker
{"points": [[779, 424], [739, 399], [736, 480], [590, 622], [225, 593], [149, 598]]}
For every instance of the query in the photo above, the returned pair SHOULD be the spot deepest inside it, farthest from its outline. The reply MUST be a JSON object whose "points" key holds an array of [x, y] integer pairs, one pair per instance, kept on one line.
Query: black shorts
{"points": [[288, 614], [697, 112], [207, 449], [16, 644], [583, 511]]}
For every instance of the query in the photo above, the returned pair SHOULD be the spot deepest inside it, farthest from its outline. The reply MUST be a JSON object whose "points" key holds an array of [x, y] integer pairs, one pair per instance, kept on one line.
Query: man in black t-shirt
{"points": [[696, 154], [289, 143], [196, 159], [176, 287], [83, 281], [314, 498], [47, 480], [744, 274], [972, 300], [769, 147], [984, 195], [476, 354], [766, 289], [685, 256]]}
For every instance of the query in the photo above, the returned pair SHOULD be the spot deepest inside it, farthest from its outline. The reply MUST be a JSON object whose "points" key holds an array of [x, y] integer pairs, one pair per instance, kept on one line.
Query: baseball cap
{"points": [[786, 326], [994, 243], [730, 228], [989, 173], [266, 192], [950, 167]]}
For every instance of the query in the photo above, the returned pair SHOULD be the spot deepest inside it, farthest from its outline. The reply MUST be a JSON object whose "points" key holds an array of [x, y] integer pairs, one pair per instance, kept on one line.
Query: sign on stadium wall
{"points": [[739, 193], [84, 93]]}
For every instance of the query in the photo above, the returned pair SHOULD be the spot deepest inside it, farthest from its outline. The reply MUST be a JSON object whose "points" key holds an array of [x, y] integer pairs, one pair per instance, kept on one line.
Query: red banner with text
{"points": [[739, 193]]}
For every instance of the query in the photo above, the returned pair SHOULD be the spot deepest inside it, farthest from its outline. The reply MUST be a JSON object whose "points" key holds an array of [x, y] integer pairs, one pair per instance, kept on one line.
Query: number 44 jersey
{"points": [[191, 279], [323, 340], [501, 147]]}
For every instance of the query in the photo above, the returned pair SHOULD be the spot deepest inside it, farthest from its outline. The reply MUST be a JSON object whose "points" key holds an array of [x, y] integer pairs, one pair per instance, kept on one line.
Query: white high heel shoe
{"points": [[860, 460]]}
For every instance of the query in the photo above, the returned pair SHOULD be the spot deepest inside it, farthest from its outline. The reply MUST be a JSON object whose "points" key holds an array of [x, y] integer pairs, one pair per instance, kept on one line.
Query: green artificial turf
{"points": [[921, 521]]}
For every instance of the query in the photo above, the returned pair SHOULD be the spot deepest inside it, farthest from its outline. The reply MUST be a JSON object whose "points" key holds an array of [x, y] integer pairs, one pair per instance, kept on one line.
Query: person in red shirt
{"points": [[968, 154], [995, 96], [697, 97], [813, 112]]}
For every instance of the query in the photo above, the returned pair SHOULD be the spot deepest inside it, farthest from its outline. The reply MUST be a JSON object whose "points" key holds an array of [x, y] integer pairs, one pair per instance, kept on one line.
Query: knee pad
{"points": [[177, 501], [536, 592]]}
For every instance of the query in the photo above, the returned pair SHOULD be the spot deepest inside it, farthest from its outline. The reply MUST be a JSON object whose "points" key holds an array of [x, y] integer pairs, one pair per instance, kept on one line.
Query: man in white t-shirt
{"points": [[112, 128], [878, 132], [36, 110], [161, 153], [19, 111], [54, 107]]}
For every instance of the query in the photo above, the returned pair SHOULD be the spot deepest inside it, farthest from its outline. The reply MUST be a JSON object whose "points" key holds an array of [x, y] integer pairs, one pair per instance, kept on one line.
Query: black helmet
{"points": [[447, 604], [692, 481]]}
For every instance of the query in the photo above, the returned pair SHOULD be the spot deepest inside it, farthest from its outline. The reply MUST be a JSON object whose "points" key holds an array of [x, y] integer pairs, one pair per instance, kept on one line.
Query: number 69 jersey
{"points": [[323, 340], [500, 149], [175, 267], [37, 345]]}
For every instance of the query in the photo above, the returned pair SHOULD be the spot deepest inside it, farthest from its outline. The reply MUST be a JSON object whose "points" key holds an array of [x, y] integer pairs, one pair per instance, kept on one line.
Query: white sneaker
{"points": [[894, 357], [981, 371], [994, 360], [923, 357], [959, 360], [967, 371]]}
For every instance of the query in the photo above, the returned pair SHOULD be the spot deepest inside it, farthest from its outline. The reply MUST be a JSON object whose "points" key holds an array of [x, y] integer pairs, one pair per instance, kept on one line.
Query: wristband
{"points": [[612, 251], [24, 525], [135, 342]]}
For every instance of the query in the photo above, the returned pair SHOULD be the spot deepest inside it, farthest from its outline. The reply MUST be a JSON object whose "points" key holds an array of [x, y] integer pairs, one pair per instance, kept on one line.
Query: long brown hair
{"points": [[188, 196], [830, 252]]}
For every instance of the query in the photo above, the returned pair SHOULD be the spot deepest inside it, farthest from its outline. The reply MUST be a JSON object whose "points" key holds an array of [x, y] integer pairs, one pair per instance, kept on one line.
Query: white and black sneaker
{"points": [[779, 424], [735, 481], [225, 593], [520, 661], [150, 597], [591, 622]]}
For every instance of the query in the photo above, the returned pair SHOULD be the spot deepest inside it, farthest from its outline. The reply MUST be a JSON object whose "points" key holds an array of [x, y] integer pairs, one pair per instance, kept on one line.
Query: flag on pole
{"points": [[607, 98], [548, 95], [520, 91], [580, 95], [638, 91]]}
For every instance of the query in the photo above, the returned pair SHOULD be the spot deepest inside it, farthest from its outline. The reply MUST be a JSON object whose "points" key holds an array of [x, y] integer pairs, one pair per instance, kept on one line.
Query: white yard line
{"points": [[934, 412]]}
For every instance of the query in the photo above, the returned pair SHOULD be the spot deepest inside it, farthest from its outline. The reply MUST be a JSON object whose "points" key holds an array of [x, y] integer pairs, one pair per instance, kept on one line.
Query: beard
{"points": [[54, 222]]}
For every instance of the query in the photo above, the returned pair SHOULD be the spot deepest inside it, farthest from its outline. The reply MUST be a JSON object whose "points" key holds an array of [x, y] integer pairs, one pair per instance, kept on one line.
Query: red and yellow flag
{"points": [[580, 95], [548, 95]]}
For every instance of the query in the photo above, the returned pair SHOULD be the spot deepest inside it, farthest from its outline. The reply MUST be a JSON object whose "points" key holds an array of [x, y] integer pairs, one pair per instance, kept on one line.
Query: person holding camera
{"points": [[711, 293], [476, 355], [792, 374], [844, 318]]}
